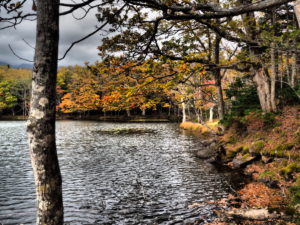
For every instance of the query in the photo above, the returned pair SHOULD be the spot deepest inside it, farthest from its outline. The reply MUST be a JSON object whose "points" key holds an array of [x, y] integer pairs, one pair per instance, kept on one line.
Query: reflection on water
{"points": [[139, 178]]}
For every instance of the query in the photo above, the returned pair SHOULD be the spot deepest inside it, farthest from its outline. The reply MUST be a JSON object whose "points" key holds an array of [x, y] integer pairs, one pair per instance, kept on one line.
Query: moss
{"points": [[279, 153], [288, 170], [268, 174], [284, 147], [246, 156], [258, 146], [295, 194], [245, 150], [232, 153], [232, 139]]}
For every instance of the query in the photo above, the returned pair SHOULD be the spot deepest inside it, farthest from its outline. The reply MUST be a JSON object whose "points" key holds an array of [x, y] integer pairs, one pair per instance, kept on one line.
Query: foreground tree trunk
{"points": [[41, 122]]}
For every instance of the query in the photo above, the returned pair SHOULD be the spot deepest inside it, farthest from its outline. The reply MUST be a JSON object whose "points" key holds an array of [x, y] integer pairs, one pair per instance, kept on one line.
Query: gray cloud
{"points": [[70, 31]]}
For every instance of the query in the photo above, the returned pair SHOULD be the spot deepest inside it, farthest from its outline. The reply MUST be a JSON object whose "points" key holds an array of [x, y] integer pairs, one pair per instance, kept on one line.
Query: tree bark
{"points": [[218, 78], [41, 122], [274, 67], [297, 10], [128, 112], [183, 110], [211, 114], [143, 111], [262, 80], [265, 87], [295, 56]]}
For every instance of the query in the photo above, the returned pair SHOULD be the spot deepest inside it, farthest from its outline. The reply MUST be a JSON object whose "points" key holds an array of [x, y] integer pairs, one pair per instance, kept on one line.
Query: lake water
{"points": [[120, 178]]}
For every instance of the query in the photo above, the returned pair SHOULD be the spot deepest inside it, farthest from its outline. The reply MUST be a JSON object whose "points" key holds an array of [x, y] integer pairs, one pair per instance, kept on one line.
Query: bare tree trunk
{"points": [[211, 114], [128, 112], [297, 10], [218, 78], [294, 69], [287, 68], [274, 67], [281, 71], [261, 76], [183, 110], [262, 81], [143, 112], [295, 55], [41, 122]]}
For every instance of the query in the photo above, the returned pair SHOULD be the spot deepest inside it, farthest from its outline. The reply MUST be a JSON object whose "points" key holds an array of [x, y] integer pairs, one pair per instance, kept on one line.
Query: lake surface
{"points": [[120, 178]]}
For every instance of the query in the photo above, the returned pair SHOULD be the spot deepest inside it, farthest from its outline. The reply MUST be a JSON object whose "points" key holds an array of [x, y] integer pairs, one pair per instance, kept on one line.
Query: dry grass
{"points": [[258, 195], [200, 128]]}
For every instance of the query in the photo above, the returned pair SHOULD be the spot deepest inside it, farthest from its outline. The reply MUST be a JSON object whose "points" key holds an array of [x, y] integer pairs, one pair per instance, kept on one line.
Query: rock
{"points": [[213, 145], [205, 143], [274, 184], [205, 154], [252, 214], [240, 162], [213, 140]]}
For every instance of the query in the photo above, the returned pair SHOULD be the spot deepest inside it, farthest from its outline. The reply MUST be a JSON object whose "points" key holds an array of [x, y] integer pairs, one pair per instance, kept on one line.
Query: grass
{"points": [[200, 128]]}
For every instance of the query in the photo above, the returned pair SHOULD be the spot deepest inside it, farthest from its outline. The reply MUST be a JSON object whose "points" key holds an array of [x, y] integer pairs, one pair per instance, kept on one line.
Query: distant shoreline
{"points": [[132, 119]]}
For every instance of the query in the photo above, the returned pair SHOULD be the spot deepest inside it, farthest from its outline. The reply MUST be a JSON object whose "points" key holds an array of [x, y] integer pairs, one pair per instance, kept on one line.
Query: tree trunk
{"points": [[143, 112], [128, 112], [41, 122], [294, 69], [211, 114], [218, 78], [183, 111], [295, 55], [274, 67], [297, 10], [261, 78]]}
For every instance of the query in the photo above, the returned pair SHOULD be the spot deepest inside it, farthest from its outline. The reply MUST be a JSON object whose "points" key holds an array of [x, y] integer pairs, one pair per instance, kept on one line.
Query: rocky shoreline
{"points": [[234, 209]]}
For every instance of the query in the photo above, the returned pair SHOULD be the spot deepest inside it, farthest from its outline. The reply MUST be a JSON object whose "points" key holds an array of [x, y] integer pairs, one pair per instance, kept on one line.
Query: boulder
{"points": [[204, 154], [252, 214], [241, 161], [274, 184]]}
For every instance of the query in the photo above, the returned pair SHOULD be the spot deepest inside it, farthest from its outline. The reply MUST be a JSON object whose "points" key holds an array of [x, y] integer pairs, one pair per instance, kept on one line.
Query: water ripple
{"points": [[147, 178]]}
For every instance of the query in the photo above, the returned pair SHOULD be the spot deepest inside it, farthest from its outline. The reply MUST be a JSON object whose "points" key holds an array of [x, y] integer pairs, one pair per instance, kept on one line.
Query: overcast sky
{"points": [[70, 30]]}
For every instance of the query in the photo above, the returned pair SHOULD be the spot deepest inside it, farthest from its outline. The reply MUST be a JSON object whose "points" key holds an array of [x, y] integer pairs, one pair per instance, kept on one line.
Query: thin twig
{"points": [[27, 60]]}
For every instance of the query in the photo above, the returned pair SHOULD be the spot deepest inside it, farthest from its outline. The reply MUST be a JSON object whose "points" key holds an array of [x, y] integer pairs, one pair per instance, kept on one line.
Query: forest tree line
{"points": [[177, 89]]}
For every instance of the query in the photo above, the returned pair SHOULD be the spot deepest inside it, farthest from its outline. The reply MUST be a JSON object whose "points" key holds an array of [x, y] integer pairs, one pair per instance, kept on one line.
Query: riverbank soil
{"points": [[266, 148]]}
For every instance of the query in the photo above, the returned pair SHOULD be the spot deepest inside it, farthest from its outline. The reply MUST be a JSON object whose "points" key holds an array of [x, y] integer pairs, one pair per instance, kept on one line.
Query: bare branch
{"points": [[19, 57]]}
